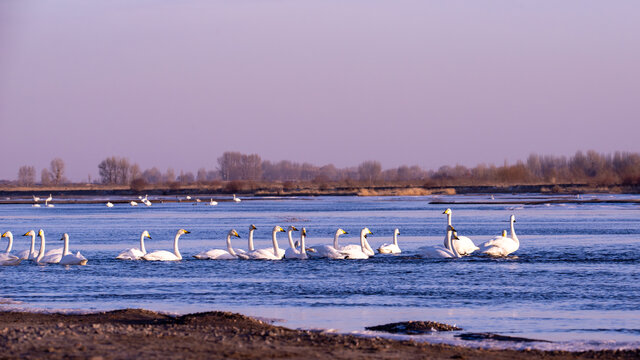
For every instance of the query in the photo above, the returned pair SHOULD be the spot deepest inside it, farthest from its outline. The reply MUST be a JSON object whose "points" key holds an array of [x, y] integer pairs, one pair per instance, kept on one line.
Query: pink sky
{"points": [[176, 83]]}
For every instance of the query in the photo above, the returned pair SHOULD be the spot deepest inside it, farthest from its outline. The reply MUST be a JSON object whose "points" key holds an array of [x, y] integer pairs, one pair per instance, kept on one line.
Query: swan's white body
{"points": [[391, 248], [35, 198], [463, 245], [353, 253], [213, 202], [274, 253], [236, 199], [502, 246], [435, 252], [219, 254], [31, 253], [135, 253], [164, 255], [302, 253], [328, 251], [188, 197], [49, 198], [46, 204], [291, 252], [7, 259], [133, 203], [36, 205], [68, 258], [109, 204]]}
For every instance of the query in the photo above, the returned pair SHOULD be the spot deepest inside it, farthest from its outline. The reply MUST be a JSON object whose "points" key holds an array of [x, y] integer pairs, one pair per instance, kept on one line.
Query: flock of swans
{"points": [[145, 200], [46, 201], [454, 246]]}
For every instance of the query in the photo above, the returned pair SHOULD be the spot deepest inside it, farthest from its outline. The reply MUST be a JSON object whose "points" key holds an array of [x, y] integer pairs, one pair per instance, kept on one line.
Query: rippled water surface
{"points": [[575, 279]]}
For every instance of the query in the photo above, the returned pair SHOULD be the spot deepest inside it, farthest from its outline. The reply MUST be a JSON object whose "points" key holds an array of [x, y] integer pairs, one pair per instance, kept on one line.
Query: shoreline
{"points": [[132, 333]]}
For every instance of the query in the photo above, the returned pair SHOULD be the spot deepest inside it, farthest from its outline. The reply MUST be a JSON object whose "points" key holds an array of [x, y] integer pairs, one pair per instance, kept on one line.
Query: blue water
{"points": [[575, 279]]}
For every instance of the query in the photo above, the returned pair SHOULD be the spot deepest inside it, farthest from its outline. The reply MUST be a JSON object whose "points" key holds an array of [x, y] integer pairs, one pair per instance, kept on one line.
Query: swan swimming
{"points": [[302, 253], [68, 258], [31, 253], [236, 199], [219, 254], [250, 247], [109, 204], [135, 253], [164, 255], [503, 246], [353, 253], [6, 259], [291, 251], [391, 248], [213, 202], [133, 203], [274, 253], [464, 245], [35, 198], [328, 251], [440, 251], [355, 247]]}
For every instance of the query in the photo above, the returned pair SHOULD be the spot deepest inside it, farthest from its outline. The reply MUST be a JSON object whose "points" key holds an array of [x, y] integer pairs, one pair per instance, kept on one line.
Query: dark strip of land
{"points": [[129, 334]]}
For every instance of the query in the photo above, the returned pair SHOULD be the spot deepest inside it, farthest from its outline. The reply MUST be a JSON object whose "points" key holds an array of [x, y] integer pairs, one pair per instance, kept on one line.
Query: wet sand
{"points": [[126, 334]]}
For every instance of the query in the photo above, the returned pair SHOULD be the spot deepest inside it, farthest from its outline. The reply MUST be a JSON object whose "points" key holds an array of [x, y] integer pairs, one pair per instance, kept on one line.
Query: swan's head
{"points": [[252, 227], [303, 232], [233, 232], [396, 231], [40, 232], [65, 236], [455, 235], [504, 233], [512, 218], [292, 228], [447, 212], [340, 232], [366, 232], [183, 231], [450, 228], [146, 234], [278, 229], [7, 234], [30, 233]]}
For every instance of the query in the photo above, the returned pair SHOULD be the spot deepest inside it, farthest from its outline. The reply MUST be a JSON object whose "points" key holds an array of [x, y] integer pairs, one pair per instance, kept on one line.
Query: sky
{"points": [[428, 83]]}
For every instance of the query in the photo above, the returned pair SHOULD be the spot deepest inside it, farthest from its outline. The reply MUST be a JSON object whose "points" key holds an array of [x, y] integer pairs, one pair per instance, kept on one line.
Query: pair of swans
{"points": [[440, 252], [335, 251], [462, 244]]}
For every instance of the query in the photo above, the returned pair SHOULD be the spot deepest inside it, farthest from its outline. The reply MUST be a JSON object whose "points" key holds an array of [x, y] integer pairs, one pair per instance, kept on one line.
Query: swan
{"points": [[292, 251], [503, 245], [198, 200], [440, 251], [46, 204], [50, 253], [274, 253], [30, 254], [164, 255], [236, 199], [212, 202], [109, 204], [391, 248], [328, 251], [354, 247], [35, 198], [353, 253], [133, 203], [147, 202], [35, 205], [6, 259], [68, 258], [49, 198], [219, 254], [302, 253], [250, 247], [134, 253], [464, 245]]}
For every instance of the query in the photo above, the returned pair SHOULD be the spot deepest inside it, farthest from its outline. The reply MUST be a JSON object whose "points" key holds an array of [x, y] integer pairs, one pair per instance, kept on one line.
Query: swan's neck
{"points": [[229, 248], [514, 237], [449, 219], [363, 241], [447, 239], [33, 245], [275, 243], [175, 246], [291, 244], [335, 240], [65, 249], [395, 238], [367, 246], [303, 249], [250, 246], [142, 248], [451, 247], [41, 251], [10, 246]]}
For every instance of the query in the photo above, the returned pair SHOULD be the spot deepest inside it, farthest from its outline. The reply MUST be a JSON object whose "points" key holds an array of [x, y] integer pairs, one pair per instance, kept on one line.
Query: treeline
{"points": [[593, 168]]}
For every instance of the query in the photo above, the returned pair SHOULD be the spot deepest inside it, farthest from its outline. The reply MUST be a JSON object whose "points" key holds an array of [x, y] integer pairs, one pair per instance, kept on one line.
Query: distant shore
{"points": [[220, 335]]}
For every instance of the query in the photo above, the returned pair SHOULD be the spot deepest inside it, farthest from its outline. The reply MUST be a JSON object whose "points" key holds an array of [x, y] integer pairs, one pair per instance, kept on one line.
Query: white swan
{"points": [[213, 202], [302, 253], [391, 248], [135, 253], [35, 205], [49, 198], [328, 251], [440, 251], [355, 253], [7, 259], [46, 204], [236, 199], [250, 247], [188, 197], [133, 203], [49, 254], [68, 258], [164, 255], [109, 204], [503, 246], [219, 254], [274, 253], [463, 245], [31, 253], [355, 247], [35, 198], [291, 251]]}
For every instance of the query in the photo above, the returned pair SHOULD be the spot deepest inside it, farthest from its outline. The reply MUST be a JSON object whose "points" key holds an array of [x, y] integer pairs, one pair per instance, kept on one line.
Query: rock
{"points": [[413, 327]]}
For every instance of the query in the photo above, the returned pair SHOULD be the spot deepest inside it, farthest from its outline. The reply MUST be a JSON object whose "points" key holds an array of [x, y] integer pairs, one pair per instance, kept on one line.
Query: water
{"points": [[575, 279]]}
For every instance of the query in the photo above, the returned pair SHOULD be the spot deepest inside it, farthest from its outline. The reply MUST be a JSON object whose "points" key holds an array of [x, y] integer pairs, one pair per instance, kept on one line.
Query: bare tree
{"points": [[152, 176], [45, 177], [134, 172], [369, 171], [114, 170], [57, 170], [26, 175], [170, 176], [201, 176]]}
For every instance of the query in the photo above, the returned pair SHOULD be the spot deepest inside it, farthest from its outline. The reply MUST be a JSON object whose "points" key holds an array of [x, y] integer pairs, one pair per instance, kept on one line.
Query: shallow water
{"points": [[575, 279]]}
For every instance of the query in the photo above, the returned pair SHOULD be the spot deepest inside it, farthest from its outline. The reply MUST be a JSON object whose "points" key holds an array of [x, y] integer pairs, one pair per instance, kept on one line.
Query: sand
{"points": [[127, 334]]}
